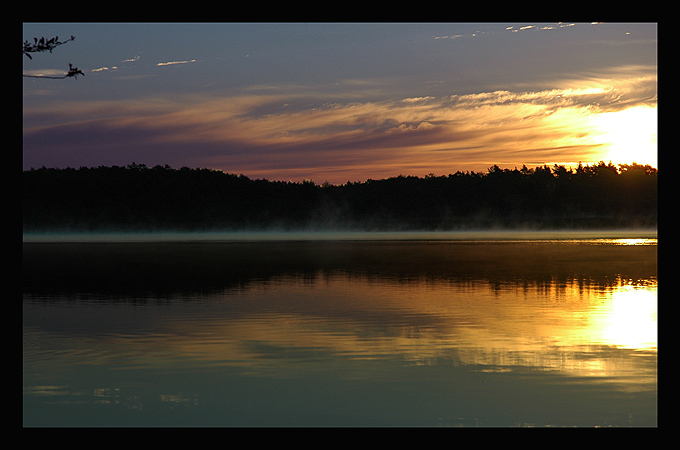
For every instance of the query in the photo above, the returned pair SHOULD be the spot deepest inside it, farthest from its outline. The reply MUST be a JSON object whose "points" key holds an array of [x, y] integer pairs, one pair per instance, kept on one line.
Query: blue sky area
{"points": [[341, 101]]}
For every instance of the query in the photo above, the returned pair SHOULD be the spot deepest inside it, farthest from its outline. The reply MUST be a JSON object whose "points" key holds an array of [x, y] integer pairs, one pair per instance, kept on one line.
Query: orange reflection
{"points": [[572, 327], [635, 241], [628, 319]]}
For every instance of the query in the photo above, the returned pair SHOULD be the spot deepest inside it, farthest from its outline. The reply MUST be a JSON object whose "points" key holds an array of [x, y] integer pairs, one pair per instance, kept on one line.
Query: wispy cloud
{"points": [[171, 63], [510, 29], [454, 36], [44, 72], [298, 133], [137, 59], [102, 69]]}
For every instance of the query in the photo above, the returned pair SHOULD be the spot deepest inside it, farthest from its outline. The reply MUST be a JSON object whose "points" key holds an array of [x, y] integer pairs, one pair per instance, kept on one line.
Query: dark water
{"points": [[411, 331]]}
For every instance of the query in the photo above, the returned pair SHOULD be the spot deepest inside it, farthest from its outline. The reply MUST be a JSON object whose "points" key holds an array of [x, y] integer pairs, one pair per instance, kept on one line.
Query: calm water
{"points": [[406, 330]]}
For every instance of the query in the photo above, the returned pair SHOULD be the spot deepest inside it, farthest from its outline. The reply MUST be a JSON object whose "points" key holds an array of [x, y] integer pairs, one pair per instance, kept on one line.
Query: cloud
{"points": [[43, 72], [291, 132], [170, 63], [102, 69], [511, 28], [417, 99]]}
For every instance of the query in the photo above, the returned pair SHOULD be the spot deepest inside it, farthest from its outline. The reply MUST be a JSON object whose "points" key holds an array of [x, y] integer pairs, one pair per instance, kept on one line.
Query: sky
{"points": [[342, 102]]}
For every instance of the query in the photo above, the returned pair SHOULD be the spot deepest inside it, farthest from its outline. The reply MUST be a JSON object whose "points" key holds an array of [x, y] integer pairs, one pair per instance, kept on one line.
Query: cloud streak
{"points": [[511, 29], [288, 133], [172, 63]]}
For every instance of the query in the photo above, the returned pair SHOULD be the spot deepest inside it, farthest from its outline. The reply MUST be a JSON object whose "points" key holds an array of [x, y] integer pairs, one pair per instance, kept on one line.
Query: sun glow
{"points": [[631, 318], [629, 135]]}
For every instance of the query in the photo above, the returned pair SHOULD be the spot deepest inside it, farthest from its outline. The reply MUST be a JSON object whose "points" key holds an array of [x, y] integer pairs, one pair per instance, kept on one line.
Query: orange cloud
{"points": [[296, 132]]}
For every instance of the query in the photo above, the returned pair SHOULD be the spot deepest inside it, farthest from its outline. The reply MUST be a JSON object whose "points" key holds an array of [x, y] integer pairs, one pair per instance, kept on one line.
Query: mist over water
{"points": [[278, 235]]}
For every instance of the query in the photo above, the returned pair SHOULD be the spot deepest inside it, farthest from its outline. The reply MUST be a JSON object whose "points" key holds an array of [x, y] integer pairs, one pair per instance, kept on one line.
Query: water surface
{"points": [[341, 332]]}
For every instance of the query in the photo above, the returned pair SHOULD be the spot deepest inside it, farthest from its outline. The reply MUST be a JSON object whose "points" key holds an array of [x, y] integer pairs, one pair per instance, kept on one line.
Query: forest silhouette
{"points": [[142, 198]]}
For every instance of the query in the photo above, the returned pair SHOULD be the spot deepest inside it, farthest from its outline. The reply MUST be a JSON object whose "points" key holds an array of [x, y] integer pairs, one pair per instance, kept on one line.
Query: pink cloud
{"points": [[295, 134]]}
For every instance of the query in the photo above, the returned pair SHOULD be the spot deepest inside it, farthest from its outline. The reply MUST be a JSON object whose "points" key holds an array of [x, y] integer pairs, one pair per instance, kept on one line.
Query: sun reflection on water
{"points": [[628, 319], [634, 241], [550, 315]]}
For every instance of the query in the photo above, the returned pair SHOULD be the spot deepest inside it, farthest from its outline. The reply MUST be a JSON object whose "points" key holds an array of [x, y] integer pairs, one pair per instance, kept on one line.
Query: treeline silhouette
{"points": [[141, 198]]}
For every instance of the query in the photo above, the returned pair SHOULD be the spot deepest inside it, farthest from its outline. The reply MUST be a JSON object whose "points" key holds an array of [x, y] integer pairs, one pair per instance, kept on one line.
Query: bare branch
{"points": [[72, 72], [42, 45]]}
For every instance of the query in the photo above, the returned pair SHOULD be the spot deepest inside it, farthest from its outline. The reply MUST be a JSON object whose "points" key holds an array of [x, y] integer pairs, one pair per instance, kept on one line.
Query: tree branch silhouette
{"points": [[42, 45]]}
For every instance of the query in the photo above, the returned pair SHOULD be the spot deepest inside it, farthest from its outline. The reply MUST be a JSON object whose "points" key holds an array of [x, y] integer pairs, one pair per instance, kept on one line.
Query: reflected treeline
{"points": [[163, 269], [137, 197]]}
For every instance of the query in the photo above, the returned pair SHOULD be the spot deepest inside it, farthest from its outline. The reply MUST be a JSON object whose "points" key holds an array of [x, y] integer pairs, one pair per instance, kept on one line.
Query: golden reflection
{"points": [[634, 241], [573, 327], [563, 313], [629, 318]]}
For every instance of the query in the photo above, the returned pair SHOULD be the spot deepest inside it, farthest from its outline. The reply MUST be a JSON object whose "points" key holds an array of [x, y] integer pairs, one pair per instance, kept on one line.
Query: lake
{"points": [[475, 329]]}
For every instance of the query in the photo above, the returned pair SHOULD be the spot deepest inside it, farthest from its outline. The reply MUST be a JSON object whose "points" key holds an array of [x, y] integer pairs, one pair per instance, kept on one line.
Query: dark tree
{"points": [[138, 197]]}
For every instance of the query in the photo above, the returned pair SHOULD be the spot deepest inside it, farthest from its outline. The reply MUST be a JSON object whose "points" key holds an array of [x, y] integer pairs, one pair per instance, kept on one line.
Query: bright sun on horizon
{"points": [[628, 136]]}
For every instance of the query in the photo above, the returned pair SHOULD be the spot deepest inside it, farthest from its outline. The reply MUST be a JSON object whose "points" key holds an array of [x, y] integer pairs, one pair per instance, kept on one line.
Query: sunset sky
{"points": [[342, 102]]}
